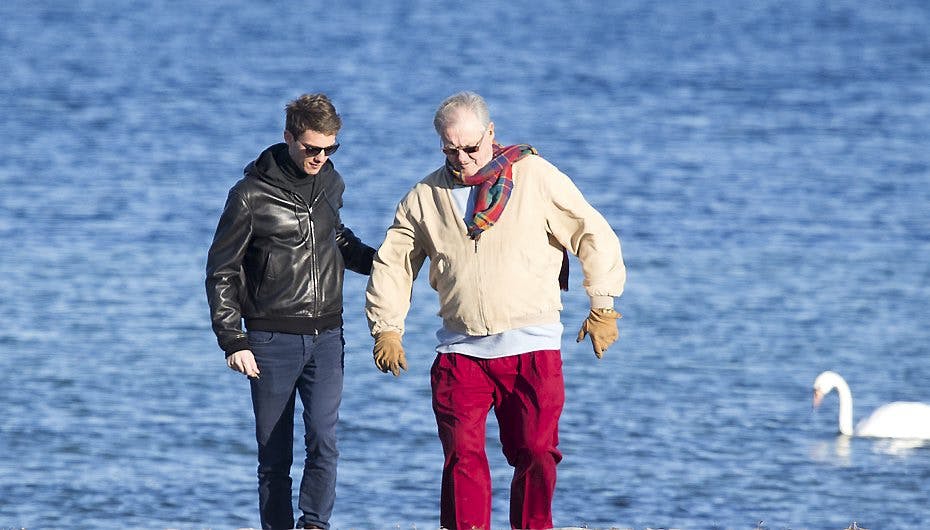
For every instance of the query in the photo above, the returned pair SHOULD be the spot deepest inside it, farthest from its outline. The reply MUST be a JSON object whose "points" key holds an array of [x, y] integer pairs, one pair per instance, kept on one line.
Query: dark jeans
{"points": [[311, 366]]}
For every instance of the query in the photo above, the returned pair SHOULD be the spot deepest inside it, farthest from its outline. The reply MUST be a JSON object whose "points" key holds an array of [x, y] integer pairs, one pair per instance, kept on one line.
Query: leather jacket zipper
{"points": [[314, 272], [310, 242]]}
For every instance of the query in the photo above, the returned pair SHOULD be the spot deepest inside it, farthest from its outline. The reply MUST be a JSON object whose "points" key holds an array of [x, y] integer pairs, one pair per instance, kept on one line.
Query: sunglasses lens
{"points": [[312, 150], [452, 151], [468, 149]]}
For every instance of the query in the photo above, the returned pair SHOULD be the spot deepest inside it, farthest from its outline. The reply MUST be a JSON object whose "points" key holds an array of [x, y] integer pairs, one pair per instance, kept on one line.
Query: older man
{"points": [[495, 222]]}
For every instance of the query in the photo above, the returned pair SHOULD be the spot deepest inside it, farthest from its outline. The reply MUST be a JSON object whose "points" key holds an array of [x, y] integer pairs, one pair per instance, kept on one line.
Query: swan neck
{"points": [[846, 408]]}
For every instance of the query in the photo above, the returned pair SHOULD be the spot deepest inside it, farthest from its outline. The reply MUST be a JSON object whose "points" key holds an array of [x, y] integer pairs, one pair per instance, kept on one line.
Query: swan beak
{"points": [[818, 397]]}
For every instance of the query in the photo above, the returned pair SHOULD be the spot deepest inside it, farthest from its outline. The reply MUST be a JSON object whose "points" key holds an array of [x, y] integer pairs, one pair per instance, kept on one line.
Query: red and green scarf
{"points": [[495, 181]]}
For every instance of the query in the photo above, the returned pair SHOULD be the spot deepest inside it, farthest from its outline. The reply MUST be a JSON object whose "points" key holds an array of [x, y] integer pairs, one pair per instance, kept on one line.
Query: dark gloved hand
{"points": [[601, 324], [389, 352]]}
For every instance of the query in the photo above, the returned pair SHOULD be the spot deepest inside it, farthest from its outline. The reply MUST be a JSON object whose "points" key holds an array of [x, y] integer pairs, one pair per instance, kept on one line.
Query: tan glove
{"points": [[601, 324], [389, 352]]}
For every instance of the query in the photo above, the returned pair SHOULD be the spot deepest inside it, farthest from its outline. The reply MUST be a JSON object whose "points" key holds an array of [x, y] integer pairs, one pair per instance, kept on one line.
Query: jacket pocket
{"points": [[257, 279]]}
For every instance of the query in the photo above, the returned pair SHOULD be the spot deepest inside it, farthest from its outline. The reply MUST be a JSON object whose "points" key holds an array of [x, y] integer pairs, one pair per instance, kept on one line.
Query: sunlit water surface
{"points": [[765, 165]]}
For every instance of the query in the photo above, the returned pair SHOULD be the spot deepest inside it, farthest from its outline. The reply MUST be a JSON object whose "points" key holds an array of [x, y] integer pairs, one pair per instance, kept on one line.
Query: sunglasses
{"points": [[312, 150], [468, 149]]}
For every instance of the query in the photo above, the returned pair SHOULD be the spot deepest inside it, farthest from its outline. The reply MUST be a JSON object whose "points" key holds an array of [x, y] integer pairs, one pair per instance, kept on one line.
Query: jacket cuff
{"points": [[602, 302], [377, 329], [239, 343]]}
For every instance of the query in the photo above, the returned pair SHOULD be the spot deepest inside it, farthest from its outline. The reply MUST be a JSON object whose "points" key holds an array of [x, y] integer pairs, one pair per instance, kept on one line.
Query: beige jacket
{"points": [[508, 278]]}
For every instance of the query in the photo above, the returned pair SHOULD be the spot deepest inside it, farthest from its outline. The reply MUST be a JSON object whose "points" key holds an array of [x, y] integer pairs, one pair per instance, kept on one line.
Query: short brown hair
{"points": [[312, 112]]}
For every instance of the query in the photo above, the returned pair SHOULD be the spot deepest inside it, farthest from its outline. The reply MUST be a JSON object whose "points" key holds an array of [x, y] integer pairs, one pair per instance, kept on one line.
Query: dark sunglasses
{"points": [[468, 149], [312, 150]]}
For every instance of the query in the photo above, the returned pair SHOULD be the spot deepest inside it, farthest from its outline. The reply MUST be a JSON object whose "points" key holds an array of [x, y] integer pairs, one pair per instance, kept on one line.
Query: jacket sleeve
{"points": [[585, 233], [356, 255], [224, 281], [395, 267]]}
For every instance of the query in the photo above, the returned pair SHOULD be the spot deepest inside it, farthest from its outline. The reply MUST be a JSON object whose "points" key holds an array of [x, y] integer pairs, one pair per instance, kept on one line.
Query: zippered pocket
{"points": [[265, 273]]}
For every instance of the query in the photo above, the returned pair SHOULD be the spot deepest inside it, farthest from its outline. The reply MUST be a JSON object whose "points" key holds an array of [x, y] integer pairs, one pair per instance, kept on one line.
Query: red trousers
{"points": [[527, 393]]}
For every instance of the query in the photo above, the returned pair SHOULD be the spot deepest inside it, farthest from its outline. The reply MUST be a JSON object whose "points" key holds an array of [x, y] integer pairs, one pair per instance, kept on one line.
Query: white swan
{"points": [[901, 419]]}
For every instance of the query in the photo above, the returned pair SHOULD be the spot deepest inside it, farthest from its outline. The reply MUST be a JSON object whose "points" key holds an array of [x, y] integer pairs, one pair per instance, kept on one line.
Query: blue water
{"points": [[764, 163]]}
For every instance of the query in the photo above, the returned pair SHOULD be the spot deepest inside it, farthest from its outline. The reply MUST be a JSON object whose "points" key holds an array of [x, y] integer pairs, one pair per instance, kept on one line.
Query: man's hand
{"points": [[601, 324], [243, 361], [389, 352]]}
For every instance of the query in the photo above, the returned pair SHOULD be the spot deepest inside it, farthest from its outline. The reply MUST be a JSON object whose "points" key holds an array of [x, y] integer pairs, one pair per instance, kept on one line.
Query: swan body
{"points": [[900, 419]]}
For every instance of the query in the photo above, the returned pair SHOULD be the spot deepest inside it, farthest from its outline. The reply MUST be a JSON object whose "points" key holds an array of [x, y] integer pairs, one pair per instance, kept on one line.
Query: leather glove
{"points": [[389, 352], [601, 324]]}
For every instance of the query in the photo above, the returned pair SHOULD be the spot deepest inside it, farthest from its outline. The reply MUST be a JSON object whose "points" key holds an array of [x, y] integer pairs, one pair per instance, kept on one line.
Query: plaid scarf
{"points": [[495, 181]]}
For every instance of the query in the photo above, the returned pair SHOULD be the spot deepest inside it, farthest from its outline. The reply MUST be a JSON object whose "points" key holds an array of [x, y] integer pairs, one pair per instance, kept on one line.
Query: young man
{"points": [[495, 222], [277, 262]]}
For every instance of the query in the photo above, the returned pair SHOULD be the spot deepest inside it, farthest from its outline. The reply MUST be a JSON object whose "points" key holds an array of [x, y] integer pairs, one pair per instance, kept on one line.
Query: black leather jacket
{"points": [[277, 259]]}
